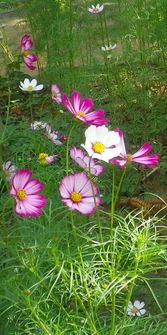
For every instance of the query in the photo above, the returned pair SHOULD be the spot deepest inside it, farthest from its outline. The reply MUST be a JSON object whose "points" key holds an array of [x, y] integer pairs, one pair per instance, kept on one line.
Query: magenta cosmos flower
{"points": [[25, 191], [29, 58], [80, 108], [56, 94], [139, 156], [79, 194], [86, 162]]}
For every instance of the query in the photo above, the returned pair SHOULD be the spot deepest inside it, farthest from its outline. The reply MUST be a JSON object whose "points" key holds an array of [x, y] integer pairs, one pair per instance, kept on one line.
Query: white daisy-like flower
{"points": [[136, 309], [30, 85], [95, 9], [108, 47], [102, 143], [9, 170], [37, 125]]}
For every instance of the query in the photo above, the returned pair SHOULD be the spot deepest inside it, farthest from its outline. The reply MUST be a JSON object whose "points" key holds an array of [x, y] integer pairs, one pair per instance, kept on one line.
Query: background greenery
{"points": [[55, 276]]}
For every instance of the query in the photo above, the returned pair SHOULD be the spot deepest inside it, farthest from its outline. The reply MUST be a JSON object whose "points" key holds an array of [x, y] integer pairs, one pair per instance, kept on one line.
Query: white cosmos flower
{"points": [[30, 85], [37, 125], [101, 143], [108, 47], [136, 308], [95, 9], [9, 170]]}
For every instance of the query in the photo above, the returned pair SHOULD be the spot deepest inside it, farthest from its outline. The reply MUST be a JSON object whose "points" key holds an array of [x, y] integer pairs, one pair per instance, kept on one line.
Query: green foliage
{"points": [[64, 273]]}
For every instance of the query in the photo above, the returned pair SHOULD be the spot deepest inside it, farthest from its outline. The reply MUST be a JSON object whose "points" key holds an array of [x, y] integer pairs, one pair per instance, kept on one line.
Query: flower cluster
{"points": [[28, 57]]}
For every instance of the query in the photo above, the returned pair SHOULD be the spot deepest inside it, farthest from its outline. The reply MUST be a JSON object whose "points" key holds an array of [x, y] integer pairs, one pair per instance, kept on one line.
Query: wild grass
{"points": [[64, 273]]}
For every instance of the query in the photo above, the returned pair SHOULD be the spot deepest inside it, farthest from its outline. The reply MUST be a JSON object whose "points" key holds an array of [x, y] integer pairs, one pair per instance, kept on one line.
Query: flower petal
{"points": [[21, 178], [145, 149], [33, 186]]}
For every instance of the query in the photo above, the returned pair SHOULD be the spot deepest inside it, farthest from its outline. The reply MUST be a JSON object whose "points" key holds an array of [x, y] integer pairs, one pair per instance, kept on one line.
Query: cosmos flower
{"points": [[38, 125], [56, 94], [86, 162], [54, 136], [9, 170], [95, 9], [25, 191], [30, 85], [102, 143], [136, 309], [139, 156], [79, 194], [108, 47], [28, 57], [80, 109], [44, 159]]}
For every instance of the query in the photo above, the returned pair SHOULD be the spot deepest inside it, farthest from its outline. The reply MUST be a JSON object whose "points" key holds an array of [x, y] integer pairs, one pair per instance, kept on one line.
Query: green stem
{"points": [[112, 204], [119, 186], [31, 109], [67, 149]]}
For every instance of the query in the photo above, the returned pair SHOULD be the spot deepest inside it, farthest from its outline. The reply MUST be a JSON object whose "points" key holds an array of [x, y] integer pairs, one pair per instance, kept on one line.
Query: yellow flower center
{"points": [[76, 197], [25, 53], [42, 157], [128, 158], [98, 147], [81, 113], [30, 88], [55, 94], [134, 310], [21, 194]]}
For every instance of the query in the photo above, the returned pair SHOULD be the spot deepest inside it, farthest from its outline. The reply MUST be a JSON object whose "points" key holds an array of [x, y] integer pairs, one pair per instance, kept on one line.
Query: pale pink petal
{"points": [[80, 180], [76, 153], [145, 149], [25, 209], [21, 178], [68, 182], [51, 159], [87, 206], [33, 187], [36, 200], [63, 190]]}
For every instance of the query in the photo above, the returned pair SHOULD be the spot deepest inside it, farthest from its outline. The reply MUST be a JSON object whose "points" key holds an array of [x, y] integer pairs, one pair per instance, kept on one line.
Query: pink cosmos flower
{"points": [[139, 156], [29, 58], [25, 191], [56, 94], [80, 108], [95, 9], [79, 194], [86, 162], [44, 159]]}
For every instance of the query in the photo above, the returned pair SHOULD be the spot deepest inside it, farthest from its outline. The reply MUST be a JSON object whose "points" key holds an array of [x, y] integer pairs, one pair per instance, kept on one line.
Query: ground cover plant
{"points": [[83, 138]]}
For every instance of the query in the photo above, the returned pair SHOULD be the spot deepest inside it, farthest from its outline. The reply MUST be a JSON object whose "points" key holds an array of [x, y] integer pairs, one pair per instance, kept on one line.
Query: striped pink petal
{"points": [[33, 186], [145, 149], [21, 178], [147, 160]]}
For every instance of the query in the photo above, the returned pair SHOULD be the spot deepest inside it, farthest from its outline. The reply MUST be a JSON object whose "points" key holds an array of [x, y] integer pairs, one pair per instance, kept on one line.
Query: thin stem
{"points": [[112, 203], [67, 149], [119, 186], [7, 116], [31, 109]]}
